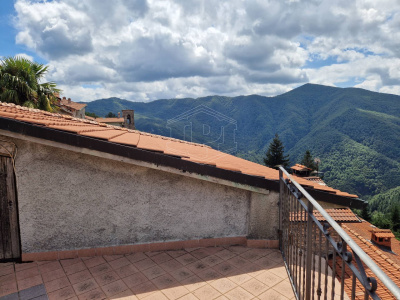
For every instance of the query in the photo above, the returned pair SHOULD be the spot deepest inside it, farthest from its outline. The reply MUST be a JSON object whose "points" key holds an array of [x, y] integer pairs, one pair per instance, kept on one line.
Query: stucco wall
{"points": [[69, 200]]}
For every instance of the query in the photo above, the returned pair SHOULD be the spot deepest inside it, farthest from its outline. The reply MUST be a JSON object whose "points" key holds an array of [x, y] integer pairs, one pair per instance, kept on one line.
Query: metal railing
{"points": [[322, 261]]}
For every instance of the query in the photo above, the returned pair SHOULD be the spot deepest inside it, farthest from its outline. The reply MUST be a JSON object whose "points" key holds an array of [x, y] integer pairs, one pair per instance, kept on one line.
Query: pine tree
{"points": [[275, 154], [308, 160], [365, 213], [395, 217]]}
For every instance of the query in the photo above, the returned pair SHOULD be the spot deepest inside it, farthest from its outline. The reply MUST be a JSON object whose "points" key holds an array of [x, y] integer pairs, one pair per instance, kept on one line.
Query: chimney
{"points": [[119, 115], [129, 121], [64, 98], [69, 100], [382, 237]]}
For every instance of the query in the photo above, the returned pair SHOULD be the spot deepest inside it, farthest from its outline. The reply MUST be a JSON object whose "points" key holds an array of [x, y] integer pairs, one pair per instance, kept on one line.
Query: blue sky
{"points": [[141, 51]]}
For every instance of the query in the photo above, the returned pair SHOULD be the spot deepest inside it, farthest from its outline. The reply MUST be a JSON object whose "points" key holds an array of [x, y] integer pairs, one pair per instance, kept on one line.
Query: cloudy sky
{"points": [[143, 50]]}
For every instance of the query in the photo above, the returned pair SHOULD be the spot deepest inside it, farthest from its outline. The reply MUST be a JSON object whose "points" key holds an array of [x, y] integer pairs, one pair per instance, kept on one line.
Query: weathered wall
{"points": [[69, 200]]}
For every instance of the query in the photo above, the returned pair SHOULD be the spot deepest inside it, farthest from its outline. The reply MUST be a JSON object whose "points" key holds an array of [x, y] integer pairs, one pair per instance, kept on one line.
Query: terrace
{"points": [[144, 216]]}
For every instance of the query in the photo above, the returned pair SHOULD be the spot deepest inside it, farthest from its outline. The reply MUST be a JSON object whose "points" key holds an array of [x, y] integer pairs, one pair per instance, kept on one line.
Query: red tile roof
{"points": [[110, 120], [358, 231], [383, 233], [187, 151], [72, 104], [299, 167], [340, 215]]}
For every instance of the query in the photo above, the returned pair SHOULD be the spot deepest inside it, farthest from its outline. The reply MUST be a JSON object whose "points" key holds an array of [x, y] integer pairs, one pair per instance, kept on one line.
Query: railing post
{"points": [[281, 187], [309, 253]]}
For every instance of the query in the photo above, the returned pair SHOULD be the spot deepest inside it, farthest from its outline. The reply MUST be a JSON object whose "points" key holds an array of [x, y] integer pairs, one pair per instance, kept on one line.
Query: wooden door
{"points": [[10, 248]]}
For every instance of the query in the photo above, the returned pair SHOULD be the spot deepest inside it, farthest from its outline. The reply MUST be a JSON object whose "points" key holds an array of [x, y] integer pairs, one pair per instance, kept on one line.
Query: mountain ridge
{"points": [[355, 132]]}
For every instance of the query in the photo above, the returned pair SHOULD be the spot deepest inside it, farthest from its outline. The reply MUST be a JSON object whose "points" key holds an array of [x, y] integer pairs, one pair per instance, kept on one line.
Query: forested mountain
{"points": [[355, 132]]}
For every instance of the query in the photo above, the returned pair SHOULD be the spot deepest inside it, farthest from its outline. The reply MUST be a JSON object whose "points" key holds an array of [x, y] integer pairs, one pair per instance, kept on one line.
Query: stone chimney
{"points": [[64, 98], [119, 115], [129, 121], [69, 100], [382, 237]]}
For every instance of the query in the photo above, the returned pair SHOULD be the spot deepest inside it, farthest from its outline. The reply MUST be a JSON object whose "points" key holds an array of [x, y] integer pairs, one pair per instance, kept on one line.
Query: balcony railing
{"points": [[322, 261]]}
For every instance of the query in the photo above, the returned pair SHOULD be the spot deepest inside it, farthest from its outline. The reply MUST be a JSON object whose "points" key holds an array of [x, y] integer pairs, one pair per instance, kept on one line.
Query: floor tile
{"points": [[153, 272], [224, 268], [206, 292], [25, 266], [32, 292], [7, 279], [254, 287], [13, 296], [239, 294], [69, 262], [100, 269], [197, 266], [135, 279], [75, 268], [181, 274], [85, 286], [125, 271], [51, 266], [171, 265], [285, 288], [106, 278], [144, 289], [186, 259], [223, 285], [8, 289], [111, 257], [33, 271], [271, 295], [176, 253], [200, 253], [119, 263], [136, 257], [269, 279], [114, 288], [193, 283], [165, 281], [156, 296], [212, 260], [80, 276], [188, 297], [225, 254], [209, 274], [175, 292], [94, 261], [95, 294], [57, 284], [161, 258], [29, 282], [62, 294], [49, 276], [5, 270], [145, 264], [125, 295]]}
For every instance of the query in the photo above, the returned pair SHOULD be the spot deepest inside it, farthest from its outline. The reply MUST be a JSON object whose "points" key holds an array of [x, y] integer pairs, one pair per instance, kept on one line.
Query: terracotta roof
{"points": [[299, 167], [340, 215], [315, 179], [197, 153], [72, 104], [90, 118], [110, 120], [383, 259]]}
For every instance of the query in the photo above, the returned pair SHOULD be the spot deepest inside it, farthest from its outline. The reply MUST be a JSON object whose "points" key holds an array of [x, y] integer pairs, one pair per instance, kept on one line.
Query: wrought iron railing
{"points": [[322, 261]]}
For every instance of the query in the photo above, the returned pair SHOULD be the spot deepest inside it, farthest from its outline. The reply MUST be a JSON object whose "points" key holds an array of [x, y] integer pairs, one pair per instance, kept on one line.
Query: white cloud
{"points": [[143, 50]]}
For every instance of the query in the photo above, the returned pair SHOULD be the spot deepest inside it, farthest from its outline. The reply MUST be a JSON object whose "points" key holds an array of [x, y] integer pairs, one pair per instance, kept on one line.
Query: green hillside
{"points": [[355, 133]]}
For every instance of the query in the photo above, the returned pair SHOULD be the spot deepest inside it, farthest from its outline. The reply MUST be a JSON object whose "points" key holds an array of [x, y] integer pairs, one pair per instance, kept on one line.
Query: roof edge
{"points": [[162, 159]]}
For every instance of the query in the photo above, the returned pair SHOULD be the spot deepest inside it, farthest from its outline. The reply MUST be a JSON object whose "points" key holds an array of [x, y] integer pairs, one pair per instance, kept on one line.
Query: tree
{"points": [[90, 114], [395, 217], [275, 154], [20, 83], [110, 115], [308, 160], [365, 213]]}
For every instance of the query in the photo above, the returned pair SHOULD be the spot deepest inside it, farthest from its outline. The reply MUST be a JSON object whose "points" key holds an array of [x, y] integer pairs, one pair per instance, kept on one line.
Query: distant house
{"points": [[127, 120], [300, 170], [73, 109]]}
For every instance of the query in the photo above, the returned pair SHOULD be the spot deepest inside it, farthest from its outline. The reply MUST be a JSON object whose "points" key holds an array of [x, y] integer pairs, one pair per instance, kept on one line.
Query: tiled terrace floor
{"points": [[203, 273]]}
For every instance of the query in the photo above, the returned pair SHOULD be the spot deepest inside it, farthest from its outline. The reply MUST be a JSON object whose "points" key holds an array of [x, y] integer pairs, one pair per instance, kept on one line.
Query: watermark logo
{"points": [[205, 126]]}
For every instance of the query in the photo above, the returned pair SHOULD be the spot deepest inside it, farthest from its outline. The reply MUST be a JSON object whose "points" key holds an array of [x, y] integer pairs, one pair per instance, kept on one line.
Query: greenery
{"points": [[355, 133], [93, 115], [308, 160], [110, 115], [275, 155], [20, 83]]}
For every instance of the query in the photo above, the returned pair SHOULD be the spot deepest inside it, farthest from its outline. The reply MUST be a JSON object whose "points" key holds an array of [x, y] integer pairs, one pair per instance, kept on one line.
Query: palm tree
{"points": [[20, 83]]}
